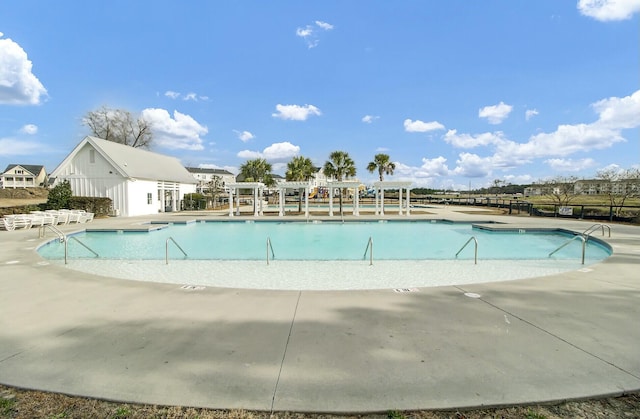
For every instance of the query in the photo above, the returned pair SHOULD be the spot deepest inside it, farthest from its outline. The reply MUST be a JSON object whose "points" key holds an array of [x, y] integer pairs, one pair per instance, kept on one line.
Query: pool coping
{"points": [[548, 339]]}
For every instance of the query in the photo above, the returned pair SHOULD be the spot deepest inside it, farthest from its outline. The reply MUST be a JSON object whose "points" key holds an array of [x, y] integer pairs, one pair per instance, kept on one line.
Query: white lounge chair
{"points": [[6, 224], [22, 221], [74, 217]]}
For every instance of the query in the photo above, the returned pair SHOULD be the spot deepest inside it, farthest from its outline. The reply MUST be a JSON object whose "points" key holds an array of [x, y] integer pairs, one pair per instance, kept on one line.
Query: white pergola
{"points": [[258, 188], [349, 184], [282, 188], [381, 186]]}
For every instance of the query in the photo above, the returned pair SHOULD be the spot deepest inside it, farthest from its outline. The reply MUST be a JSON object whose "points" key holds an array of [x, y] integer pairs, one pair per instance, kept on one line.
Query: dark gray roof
{"points": [[34, 169], [209, 171]]}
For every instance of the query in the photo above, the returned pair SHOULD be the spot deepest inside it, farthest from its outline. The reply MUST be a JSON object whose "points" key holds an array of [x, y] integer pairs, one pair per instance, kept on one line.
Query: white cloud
{"points": [[569, 165], [530, 113], [495, 114], [30, 129], [367, 119], [18, 85], [304, 32], [249, 155], [180, 132], [470, 141], [619, 113], [244, 136], [189, 96], [419, 126], [382, 149], [310, 33], [295, 112], [472, 165], [608, 10], [615, 115], [15, 147], [275, 152], [171, 94], [324, 25], [279, 151]]}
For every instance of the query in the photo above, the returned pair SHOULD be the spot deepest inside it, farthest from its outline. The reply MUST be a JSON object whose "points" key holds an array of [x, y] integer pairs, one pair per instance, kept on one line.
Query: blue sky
{"points": [[458, 93]]}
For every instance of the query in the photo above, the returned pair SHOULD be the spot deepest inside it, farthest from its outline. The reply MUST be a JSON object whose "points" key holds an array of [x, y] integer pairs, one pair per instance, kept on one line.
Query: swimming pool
{"points": [[301, 241], [324, 255]]}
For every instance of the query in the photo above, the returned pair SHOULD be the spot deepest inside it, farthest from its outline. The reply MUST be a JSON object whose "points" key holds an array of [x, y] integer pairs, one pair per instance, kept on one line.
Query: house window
{"points": [[149, 198], [92, 156], [19, 172]]}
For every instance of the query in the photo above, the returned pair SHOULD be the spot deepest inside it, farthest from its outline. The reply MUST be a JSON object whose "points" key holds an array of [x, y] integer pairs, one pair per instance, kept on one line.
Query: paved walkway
{"points": [[560, 337]]}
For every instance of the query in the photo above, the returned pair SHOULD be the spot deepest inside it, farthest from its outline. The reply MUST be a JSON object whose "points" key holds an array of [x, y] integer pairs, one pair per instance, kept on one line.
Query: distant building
{"points": [[138, 182], [588, 187], [23, 176], [204, 177]]}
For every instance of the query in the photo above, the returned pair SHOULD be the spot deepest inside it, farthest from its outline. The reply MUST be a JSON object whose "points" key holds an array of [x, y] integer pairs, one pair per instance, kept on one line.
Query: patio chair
{"points": [[6, 224]]}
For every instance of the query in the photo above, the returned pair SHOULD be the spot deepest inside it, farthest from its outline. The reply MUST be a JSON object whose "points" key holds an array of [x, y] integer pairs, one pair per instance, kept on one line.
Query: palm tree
{"points": [[257, 170], [383, 164], [299, 169], [339, 166]]}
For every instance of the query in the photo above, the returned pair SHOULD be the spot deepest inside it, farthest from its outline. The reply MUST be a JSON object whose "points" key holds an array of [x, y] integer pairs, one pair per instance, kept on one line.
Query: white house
{"points": [[138, 182], [23, 176], [204, 176]]}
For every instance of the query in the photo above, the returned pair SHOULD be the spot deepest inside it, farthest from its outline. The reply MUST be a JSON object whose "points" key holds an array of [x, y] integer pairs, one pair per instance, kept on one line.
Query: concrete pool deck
{"points": [[560, 337]]}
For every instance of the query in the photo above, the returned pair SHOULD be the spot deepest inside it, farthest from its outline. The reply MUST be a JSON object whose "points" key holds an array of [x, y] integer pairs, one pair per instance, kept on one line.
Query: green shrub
{"points": [[59, 196]]}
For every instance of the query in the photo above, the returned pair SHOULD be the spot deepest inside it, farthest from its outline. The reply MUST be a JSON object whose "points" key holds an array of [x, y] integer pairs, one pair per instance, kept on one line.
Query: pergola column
{"points": [[408, 201], [382, 201], [281, 202], [356, 202], [375, 195], [330, 201], [255, 202], [175, 195], [260, 196], [306, 202], [231, 201], [400, 201], [161, 195]]}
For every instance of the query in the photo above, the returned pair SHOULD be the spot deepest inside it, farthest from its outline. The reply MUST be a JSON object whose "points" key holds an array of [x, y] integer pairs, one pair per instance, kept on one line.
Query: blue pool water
{"points": [[326, 241]]}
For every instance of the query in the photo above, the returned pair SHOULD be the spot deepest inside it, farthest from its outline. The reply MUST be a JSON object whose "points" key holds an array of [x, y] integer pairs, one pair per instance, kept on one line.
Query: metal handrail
{"points": [[41, 231], [166, 250], [83, 245], [63, 239], [270, 247], [584, 245], [594, 227], [369, 248], [475, 255]]}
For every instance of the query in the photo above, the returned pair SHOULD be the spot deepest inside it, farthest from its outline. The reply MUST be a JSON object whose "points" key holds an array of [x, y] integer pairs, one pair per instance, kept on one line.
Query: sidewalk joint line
{"points": [[284, 354], [555, 336]]}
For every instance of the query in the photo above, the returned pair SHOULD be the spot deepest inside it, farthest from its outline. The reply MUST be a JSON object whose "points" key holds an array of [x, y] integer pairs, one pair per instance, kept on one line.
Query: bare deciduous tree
{"points": [[561, 189], [619, 185], [119, 126]]}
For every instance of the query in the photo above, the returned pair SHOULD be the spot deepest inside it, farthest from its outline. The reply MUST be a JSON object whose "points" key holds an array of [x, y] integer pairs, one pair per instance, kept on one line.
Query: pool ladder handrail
{"points": [[369, 248], [63, 239], [270, 247], [577, 236], [166, 250], [475, 253], [594, 227]]}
